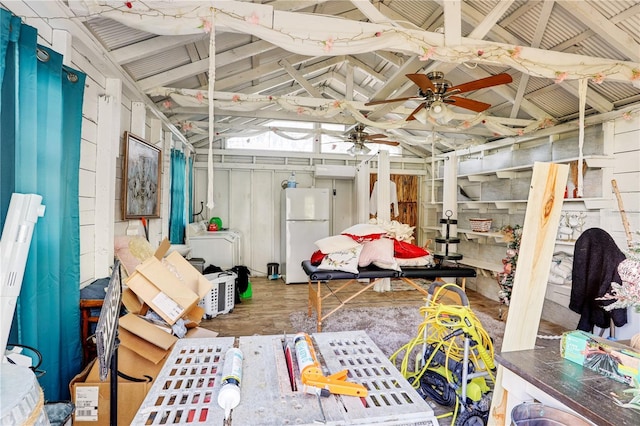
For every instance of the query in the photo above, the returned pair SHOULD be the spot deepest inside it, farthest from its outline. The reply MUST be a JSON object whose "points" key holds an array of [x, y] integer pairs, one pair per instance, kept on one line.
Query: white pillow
{"points": [[336, 243], [416, 261], [362, 229], [380, 250], [384, 265], [346, 260]]}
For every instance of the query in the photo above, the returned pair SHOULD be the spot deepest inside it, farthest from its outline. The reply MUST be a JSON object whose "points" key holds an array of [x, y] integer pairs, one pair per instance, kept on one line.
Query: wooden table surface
{"points": [[577, 387]]}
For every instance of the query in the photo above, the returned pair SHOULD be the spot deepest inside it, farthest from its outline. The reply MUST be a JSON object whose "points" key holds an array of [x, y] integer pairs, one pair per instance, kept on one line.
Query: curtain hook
{"points": [[42, 55]]}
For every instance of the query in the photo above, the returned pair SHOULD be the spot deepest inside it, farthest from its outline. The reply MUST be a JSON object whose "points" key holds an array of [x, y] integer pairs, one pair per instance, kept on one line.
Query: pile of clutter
{"points": [[161, 296]]}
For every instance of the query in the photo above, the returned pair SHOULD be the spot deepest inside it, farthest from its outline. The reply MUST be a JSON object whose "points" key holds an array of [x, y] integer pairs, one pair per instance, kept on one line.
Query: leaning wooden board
{"points": [[536, 250]]}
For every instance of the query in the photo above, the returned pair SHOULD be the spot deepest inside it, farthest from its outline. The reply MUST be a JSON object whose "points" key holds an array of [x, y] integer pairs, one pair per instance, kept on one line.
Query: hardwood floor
{"points": [[267, 312]]}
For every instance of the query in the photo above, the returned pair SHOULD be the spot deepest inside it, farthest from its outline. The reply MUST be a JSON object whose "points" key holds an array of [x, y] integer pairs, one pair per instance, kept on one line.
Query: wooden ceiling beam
{"points": [[541, 26], [300, 78], [260, 72], [452, 22]]}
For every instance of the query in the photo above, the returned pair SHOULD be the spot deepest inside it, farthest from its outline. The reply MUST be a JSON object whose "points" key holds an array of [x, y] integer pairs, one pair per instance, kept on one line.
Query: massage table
{"points": [[373, 274]]}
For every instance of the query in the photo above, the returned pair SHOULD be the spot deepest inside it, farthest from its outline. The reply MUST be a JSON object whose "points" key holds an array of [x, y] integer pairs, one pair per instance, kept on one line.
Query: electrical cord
{"points": [[35, 368], [444, 330]]}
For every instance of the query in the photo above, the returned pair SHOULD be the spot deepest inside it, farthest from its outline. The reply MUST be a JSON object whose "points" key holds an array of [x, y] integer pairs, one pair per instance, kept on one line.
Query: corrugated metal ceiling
{"points": [[563, 30]]}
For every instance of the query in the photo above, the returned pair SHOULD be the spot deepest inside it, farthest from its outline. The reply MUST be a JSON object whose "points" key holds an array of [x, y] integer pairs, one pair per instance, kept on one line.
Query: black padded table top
{"points": [[373, 272]]}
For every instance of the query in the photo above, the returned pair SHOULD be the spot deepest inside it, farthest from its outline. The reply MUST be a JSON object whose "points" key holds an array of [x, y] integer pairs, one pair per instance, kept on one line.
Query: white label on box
{"points": [[86, 403], [168, 306]]}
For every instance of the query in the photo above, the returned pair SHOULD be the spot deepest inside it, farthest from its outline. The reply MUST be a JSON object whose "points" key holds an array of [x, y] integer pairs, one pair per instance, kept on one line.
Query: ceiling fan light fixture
{"points": [[437, 110], [440, 112], [358, 149]]}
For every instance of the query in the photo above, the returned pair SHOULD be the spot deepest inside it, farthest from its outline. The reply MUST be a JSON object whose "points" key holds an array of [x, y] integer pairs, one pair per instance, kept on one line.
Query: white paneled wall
{"points": [[249, 201], [626, 150], [247, 198], [626, 172]]}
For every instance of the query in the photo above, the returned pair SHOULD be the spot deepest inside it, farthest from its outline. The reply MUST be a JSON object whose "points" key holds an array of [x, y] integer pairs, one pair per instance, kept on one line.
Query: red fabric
{"points": [[404, 250], [364, 238], [316, 257]]}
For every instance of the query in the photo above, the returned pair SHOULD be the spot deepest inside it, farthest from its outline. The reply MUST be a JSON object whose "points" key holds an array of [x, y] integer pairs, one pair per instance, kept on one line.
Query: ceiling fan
{"points": [[359, 137], [435, 91]]}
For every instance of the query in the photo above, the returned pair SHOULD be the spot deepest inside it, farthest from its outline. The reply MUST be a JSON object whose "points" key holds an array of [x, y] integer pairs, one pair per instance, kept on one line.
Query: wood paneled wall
{"points": [[407, 191]]}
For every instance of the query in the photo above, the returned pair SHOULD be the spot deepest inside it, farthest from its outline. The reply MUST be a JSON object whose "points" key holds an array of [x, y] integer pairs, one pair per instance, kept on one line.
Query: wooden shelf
{"points": [[592, 161], [472, 235], [489, 266], [514, 205]]}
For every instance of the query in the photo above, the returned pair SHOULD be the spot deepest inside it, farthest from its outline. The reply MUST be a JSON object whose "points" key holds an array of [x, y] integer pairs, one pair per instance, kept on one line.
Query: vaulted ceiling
{"points": [[557, 52]]}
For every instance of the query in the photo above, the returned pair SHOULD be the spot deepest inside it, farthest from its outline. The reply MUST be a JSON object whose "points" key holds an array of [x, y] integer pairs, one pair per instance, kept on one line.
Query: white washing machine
{"points": [[219, 248]]}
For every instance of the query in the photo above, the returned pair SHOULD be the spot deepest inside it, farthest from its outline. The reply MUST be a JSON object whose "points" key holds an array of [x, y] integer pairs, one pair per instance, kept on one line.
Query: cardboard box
{"points": [[171, 286], [92, 397], [607, 357], [144, 338]]}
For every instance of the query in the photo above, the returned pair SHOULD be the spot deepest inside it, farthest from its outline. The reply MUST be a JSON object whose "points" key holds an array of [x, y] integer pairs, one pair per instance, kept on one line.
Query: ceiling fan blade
{"points": [[392, 143], [375, 136], [494, 80], [386, 101], [415, 111], [422, 81], [470, 104]]}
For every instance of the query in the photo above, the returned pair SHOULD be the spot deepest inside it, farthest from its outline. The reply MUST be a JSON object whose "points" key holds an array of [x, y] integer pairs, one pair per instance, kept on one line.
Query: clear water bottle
{"points": [[291, 183]]}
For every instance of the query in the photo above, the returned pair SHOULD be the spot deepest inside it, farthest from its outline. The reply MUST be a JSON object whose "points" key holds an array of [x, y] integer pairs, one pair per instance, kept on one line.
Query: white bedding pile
{"points": [[561, 269]]}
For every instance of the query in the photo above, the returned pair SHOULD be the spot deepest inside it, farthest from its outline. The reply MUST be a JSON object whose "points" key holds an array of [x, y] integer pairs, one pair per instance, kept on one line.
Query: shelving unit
{"points": [[497, 184], [448, 240]]}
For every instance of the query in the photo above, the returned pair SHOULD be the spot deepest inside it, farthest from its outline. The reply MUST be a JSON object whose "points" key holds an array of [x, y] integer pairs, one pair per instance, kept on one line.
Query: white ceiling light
{"points": [[440, 112], [437, 110], [358, 149]]}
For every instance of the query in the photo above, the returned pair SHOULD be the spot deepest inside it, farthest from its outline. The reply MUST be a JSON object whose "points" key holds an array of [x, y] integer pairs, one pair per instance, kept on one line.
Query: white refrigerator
{"points": [[305, 219]]}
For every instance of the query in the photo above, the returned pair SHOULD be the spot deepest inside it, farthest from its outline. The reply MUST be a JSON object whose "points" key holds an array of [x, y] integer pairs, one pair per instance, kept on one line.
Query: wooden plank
{"points": [[536, 250]]}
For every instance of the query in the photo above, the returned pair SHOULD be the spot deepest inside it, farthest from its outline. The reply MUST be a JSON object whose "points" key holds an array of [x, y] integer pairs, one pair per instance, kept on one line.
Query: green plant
{"points": [[635, 400]]}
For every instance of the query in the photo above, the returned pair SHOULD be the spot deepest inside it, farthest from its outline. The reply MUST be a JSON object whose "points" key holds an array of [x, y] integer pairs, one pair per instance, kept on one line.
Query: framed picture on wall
{"points": [[140, 178]]}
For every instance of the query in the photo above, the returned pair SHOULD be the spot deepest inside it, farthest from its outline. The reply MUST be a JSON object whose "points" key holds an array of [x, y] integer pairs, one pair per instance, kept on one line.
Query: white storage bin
{"points": [[221, 298]]}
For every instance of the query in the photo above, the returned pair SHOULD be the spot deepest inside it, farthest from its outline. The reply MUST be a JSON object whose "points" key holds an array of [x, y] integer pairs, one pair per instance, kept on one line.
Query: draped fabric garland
{"points": [[317, 35], [212, 78], [326, 36]]}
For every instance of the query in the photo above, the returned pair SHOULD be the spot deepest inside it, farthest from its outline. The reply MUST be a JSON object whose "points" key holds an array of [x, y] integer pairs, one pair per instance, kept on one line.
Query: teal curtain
{"points": [[177, 222], [41, 120]]}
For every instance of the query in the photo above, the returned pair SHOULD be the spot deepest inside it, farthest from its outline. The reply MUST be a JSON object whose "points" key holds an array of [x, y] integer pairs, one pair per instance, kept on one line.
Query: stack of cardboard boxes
{"points": [[172, 288]]}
